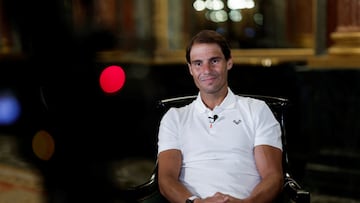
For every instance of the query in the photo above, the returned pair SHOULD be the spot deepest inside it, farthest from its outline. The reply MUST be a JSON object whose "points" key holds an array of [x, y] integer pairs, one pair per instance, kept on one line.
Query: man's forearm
{"points": [[174, 191], [267, 190]]}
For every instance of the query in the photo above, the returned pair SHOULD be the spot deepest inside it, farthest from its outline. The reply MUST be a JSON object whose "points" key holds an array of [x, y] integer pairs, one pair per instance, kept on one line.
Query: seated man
{"points": [[222, 147]]}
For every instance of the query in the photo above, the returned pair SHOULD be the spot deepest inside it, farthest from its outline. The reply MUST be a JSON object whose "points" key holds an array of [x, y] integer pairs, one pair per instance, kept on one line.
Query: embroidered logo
{"points": [[237, 121]]}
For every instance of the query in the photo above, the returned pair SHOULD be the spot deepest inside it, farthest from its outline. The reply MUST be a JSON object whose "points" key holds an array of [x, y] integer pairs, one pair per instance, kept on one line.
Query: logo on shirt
{"points": [[237, 121]]}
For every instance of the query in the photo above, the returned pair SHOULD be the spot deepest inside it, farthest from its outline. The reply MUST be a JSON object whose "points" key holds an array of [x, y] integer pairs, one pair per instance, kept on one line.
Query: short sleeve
{"points": [[168, 135], [268, 131]]}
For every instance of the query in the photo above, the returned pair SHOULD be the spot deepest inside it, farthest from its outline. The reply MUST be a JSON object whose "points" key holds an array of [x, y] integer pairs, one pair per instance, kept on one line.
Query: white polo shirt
{"points": [[219, 158]]}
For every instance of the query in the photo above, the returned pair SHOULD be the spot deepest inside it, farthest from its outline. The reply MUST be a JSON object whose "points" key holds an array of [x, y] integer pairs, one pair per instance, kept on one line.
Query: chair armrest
{"points": [[143, 190], [295, 192]]}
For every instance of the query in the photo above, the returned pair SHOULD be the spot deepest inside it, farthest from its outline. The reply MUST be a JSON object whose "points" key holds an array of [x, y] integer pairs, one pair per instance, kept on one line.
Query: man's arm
{"points": [[269, 163], [169, 166]]}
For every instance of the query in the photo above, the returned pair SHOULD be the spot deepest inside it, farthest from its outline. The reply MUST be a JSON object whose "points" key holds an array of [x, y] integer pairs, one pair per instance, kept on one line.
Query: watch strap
{"points": [[191, 199]]}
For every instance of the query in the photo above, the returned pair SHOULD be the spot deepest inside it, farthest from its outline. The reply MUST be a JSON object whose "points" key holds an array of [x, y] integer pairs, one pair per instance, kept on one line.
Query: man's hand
{"points": [[218, 198]]}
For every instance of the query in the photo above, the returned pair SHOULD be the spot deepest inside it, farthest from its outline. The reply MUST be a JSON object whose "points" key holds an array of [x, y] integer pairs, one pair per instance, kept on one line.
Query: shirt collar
{"points": [[228, 103]]}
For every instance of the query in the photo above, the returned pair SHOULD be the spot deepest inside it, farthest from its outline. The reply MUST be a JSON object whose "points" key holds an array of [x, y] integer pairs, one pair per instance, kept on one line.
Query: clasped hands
{"points": [[219, 198]]}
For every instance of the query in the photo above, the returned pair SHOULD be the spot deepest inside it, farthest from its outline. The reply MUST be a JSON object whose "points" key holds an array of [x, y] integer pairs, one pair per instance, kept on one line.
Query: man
{"points": [[222, 147]]}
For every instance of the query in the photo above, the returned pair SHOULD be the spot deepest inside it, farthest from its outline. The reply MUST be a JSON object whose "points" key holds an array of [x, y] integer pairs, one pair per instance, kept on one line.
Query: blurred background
{"points": [[80, 81]]}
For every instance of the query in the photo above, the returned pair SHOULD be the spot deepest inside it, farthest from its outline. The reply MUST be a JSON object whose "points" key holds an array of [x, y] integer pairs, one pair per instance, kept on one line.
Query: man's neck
{"points": [[213, 100]]}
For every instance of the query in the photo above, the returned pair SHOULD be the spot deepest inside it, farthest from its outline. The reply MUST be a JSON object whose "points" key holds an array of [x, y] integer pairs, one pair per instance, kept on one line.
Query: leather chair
{"points": [[148, 192]]}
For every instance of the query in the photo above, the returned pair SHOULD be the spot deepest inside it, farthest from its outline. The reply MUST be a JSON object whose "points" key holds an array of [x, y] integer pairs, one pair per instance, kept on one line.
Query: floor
{"points": [[320, 198]]}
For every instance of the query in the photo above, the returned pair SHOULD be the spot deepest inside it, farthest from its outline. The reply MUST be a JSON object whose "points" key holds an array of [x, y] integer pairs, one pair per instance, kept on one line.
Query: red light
{"points": [[112, 79]]}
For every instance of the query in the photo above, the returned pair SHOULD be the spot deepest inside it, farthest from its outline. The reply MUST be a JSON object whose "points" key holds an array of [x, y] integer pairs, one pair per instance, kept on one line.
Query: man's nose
{"points": [[206, 67]]}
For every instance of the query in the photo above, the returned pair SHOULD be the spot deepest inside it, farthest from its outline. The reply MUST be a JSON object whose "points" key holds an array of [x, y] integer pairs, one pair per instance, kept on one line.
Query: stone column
{"points": [[300, 23], [346, 37]]}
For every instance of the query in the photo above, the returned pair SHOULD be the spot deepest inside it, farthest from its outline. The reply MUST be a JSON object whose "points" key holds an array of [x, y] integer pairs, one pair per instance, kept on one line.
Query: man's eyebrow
{"points": [[215, 57], [196, 61], [209, 59]]}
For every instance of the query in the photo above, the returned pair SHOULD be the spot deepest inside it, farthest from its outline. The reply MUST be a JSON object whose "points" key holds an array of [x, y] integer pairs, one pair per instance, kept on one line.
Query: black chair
{"points": [[148, 192]]}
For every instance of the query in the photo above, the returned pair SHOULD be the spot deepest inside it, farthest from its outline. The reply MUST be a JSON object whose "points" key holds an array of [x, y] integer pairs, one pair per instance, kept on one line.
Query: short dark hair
{"points": [[209, 36]]}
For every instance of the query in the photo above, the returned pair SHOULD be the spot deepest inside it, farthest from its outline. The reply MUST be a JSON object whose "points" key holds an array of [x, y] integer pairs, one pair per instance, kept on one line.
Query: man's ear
{"points": [[190, 71], [229, 64]]}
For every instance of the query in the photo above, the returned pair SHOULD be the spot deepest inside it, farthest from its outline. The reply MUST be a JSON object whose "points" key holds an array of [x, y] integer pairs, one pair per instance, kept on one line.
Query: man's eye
{"points": [[197, 64], [215, 61]]}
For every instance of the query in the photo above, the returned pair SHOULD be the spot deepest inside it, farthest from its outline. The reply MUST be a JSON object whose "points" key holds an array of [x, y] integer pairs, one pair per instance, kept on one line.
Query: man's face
{"points": [[209, 67]]}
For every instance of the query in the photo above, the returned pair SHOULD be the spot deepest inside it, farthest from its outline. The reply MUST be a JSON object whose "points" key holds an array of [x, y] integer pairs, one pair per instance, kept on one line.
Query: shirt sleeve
{"points": [[168, 137], [268, 131]]}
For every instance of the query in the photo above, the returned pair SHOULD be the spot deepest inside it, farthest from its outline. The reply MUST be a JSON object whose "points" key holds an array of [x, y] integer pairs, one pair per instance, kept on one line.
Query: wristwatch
{"points": [[191, 199]]}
